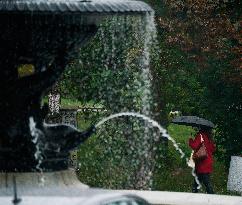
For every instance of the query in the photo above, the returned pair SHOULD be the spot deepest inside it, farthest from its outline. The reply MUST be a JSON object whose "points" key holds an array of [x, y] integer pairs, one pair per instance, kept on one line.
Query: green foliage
{"points": [[197, 74], [112, 158], [180, 87], [110, 73], [108, 69], [223, 106]]}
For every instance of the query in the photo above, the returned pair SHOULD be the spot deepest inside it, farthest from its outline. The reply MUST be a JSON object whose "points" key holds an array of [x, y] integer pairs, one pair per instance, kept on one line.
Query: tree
{"points": [[197, 38]]}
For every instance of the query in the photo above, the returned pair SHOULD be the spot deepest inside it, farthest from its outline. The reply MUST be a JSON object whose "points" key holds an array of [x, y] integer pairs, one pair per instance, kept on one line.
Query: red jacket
{"points": [[206, 165]]}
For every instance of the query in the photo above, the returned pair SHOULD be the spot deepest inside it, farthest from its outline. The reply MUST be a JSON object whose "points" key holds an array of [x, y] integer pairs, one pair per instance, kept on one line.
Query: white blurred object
{"points": [[54, 103], [174, 114], [191, 162], [235, 174]]}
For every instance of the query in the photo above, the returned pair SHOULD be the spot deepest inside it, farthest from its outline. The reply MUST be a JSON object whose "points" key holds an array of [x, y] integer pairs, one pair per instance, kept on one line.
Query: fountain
{"points": [[45, 35]]}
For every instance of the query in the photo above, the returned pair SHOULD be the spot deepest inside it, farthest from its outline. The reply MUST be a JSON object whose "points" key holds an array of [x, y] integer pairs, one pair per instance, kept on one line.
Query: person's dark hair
{"points": [[208, 130]]}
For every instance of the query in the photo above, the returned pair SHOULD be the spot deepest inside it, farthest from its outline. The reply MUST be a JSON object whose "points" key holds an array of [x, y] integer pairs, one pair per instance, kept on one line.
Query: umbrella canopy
{"points": [[193, 121]]}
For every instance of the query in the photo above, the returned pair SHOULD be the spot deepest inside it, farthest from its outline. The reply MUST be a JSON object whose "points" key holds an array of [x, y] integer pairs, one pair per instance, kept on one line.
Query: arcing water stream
{"points": [[154, 124], [149, 120]]}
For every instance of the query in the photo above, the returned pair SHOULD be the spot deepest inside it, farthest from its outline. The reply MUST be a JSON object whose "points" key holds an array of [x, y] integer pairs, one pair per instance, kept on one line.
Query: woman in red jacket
{"points": [[204, 167]]}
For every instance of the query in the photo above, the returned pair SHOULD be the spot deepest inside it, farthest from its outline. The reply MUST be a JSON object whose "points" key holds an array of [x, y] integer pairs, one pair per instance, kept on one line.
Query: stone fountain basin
{"points": [[90, 10], [56, 22], [58, 183], [85, 11], [63, 187], [72, 6]]}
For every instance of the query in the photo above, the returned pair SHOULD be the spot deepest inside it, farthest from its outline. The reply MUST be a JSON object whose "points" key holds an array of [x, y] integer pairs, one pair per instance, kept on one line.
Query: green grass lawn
{"points": [[70, 103]]}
